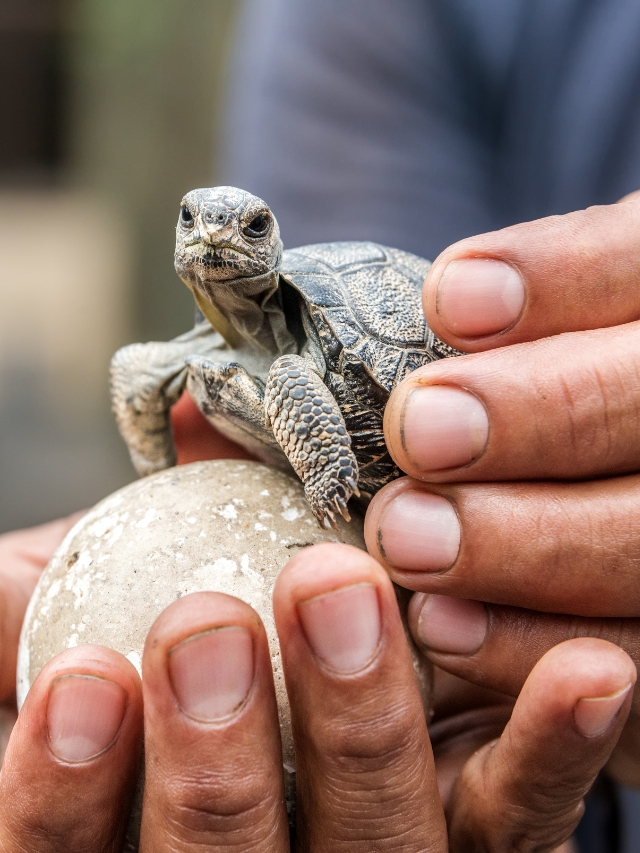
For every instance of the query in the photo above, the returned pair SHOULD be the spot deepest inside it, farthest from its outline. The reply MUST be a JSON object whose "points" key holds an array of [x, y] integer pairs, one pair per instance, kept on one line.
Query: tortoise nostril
{"points": [[215, 218]]}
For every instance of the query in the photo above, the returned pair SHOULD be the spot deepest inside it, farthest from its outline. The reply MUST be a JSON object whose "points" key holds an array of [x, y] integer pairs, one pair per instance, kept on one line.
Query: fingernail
{"points": [[343, 627], [84, 715], [443, 427], [454, 626], [212, 673], [594, 716], [479, 296], [419, 531]]}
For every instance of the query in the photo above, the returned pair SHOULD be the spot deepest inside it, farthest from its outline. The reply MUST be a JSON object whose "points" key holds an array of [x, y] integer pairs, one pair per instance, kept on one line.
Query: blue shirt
{"points": [[419, 122]]}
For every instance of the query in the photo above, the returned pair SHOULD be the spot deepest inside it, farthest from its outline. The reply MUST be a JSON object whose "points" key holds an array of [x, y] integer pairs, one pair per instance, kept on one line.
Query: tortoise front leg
{"points": [[146, 381], [309, 427], [233, 402]]}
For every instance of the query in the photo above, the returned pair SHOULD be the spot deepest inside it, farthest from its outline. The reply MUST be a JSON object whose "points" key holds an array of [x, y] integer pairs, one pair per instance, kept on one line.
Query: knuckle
{"points": [[534, 815], [372, 824], [554, 804], [379, 738], [585, 410], [219, 804], [599, 408], [513, 831], [35, 832]]}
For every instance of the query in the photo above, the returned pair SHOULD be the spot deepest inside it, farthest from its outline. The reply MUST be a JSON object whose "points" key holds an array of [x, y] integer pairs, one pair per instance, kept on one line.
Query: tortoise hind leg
{"points": [[309, 427]]}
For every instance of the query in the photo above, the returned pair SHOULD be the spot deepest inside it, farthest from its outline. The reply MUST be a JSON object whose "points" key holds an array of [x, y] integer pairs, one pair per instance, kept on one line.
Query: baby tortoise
{"points": [[293, 354]]}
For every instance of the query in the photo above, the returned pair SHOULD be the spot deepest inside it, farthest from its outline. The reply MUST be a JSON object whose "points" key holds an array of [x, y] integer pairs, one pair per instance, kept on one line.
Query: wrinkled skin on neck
{"points": [[228, 252]]}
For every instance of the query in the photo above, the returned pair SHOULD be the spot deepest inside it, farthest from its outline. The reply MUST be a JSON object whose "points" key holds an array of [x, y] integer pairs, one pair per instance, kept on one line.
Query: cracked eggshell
{"points": [[226, 526]]}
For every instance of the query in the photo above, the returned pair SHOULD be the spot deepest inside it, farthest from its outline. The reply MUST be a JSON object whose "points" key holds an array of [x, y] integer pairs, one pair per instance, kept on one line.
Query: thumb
{"points": [[525, 790]]}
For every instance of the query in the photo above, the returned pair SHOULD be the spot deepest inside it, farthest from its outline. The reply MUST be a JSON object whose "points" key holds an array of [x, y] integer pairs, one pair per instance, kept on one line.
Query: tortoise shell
{"points": [[365, 301]]}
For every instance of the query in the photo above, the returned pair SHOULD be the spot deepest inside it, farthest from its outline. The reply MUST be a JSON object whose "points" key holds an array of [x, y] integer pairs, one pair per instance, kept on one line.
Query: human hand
{"points": [[194, 437], [365, 773], [524, 456], [23, 556]]}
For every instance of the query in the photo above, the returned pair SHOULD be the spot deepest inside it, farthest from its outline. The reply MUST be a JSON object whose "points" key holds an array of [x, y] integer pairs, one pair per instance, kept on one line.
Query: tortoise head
{"points": [[223, 234]]}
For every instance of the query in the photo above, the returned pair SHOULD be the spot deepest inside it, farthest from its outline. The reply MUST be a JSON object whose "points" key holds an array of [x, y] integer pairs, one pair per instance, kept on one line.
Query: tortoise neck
{"points": [[250, 307]]}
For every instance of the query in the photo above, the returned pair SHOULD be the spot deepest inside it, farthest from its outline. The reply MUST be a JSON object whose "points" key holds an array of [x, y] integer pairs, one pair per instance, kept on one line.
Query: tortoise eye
{"points": [[186, 217], [258, 226]]}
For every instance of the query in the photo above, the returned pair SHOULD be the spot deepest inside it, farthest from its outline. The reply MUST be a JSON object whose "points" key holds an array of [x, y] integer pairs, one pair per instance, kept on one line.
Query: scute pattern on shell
{"points": [[366, 299], [343, 254]]}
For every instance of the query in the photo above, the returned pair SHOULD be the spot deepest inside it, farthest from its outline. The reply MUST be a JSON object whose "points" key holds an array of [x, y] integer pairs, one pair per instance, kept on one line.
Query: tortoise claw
{"points": [[341, 506], [353, 486], [327, 519]]}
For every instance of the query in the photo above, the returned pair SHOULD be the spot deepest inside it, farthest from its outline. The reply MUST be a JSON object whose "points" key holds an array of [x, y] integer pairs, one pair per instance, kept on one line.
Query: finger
{"points": [[632, 197], [34, 546], [194, 437], [497, 647], [213, 777], [23, 556], [525, 790], [362, 752], [545, 546], [565, 407], [559, 274], [465, 717], [72, 761]]}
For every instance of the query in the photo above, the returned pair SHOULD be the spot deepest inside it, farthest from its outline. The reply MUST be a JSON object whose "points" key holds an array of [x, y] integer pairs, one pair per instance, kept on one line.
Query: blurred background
{"points": [[109, 113]]}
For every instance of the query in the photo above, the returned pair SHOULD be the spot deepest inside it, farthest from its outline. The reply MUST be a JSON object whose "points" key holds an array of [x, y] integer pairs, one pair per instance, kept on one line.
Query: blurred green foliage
{"points": [[147, 79]]}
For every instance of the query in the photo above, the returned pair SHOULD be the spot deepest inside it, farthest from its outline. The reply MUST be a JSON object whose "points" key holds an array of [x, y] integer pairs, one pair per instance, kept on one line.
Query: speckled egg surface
{"points": [[226, 526]]}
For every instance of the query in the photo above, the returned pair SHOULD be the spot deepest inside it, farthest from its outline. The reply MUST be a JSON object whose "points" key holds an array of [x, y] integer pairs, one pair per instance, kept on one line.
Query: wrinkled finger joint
{"points": [[220, 806]]}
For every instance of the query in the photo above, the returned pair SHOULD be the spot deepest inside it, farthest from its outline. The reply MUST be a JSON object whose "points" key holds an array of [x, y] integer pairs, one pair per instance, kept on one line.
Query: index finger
{"points": [[364, 767], [559, 274]]}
